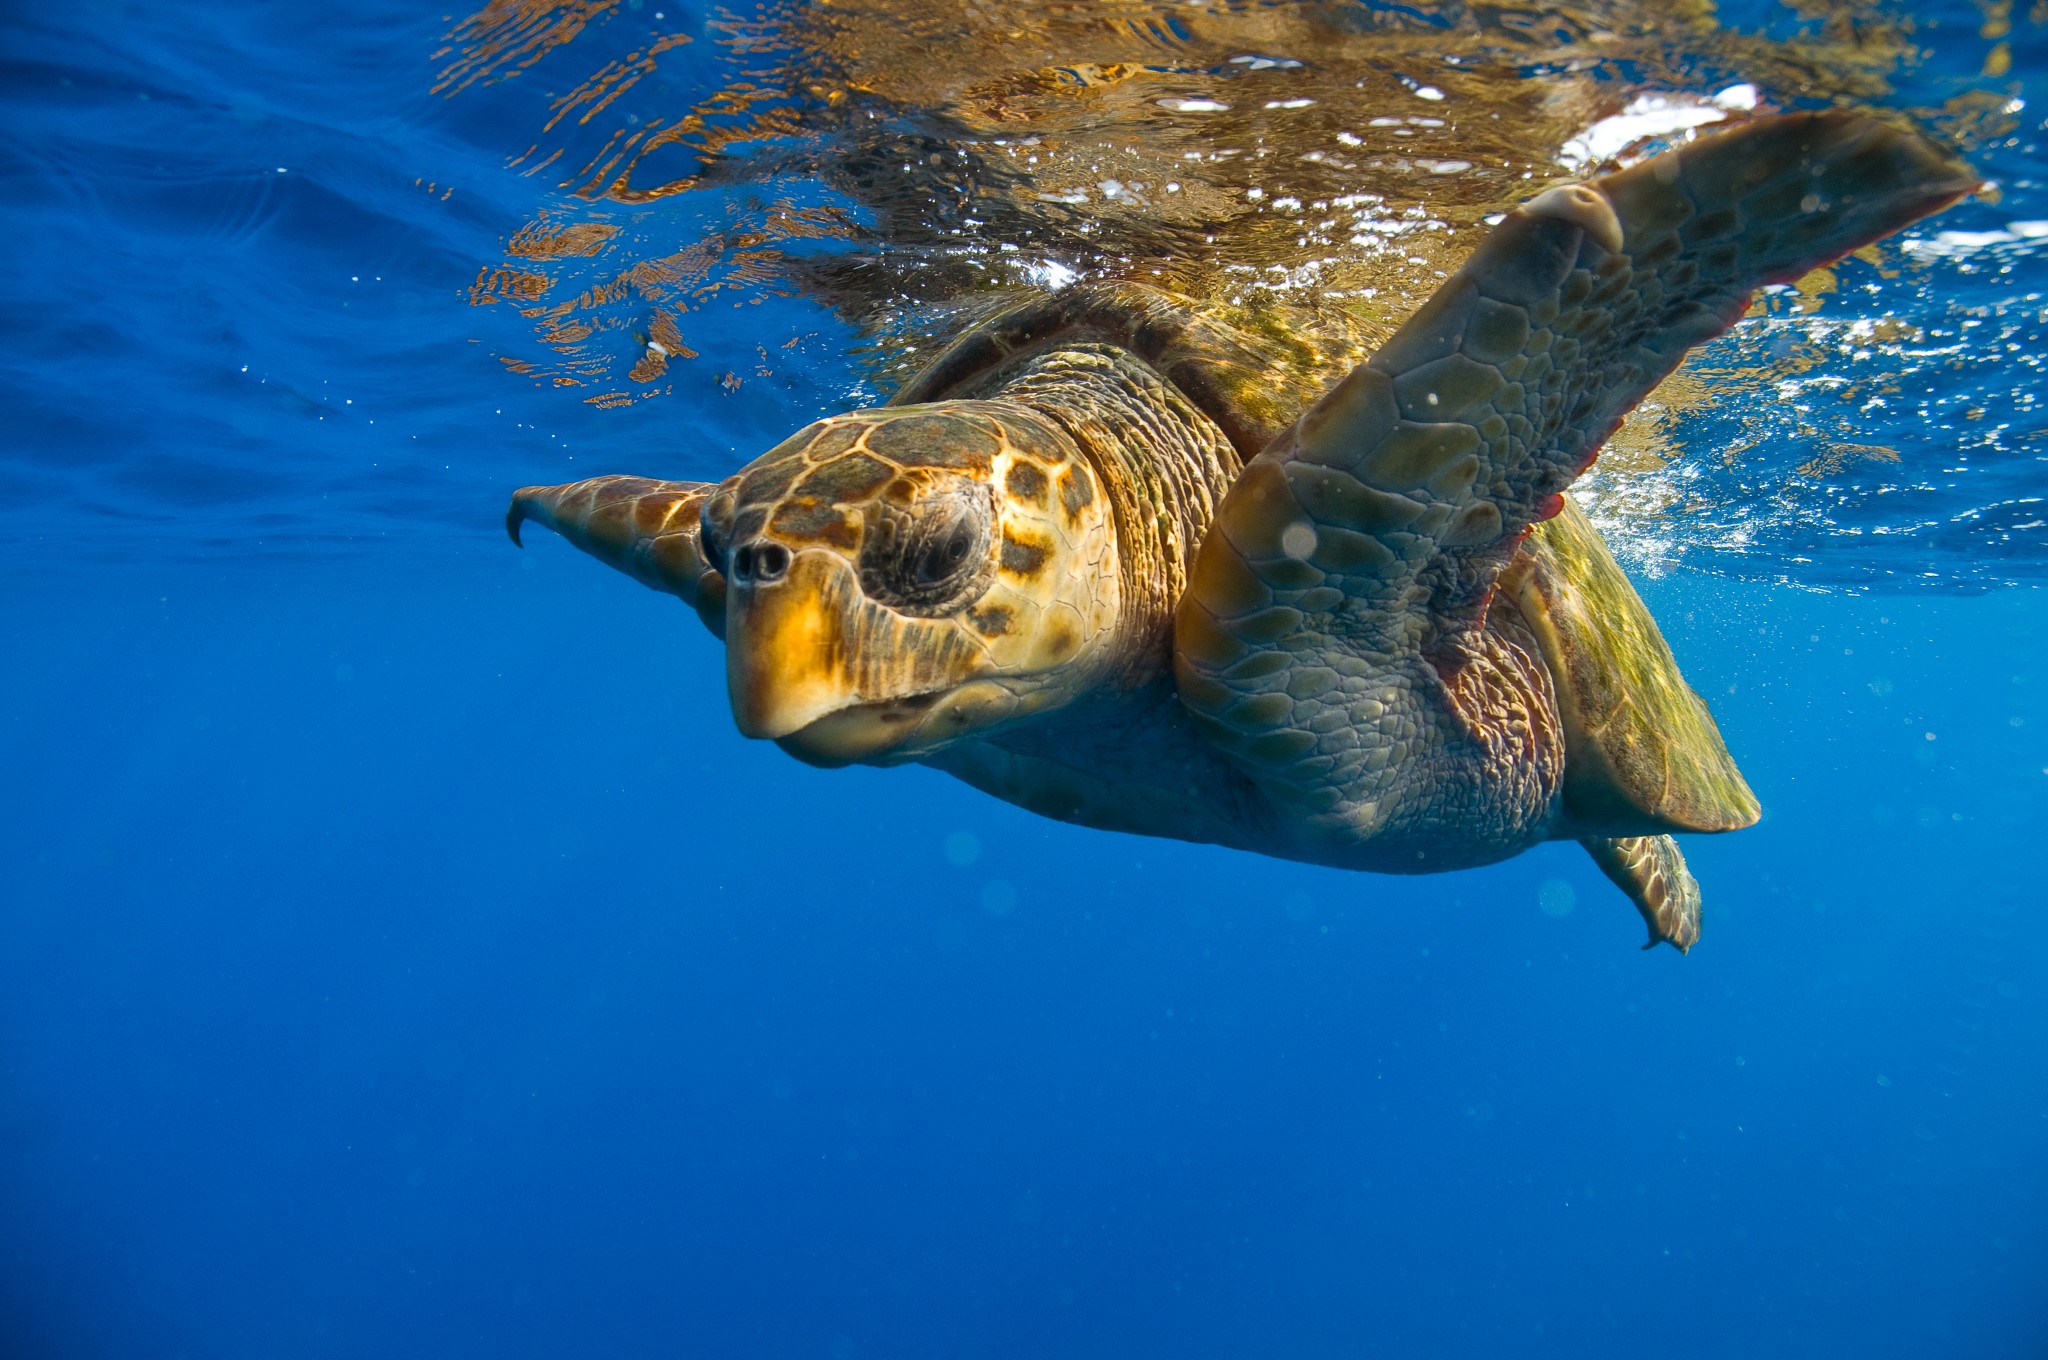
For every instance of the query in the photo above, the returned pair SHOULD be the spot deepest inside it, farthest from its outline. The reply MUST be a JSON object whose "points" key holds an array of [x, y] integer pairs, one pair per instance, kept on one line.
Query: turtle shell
{"points": [[1251, 372], [1642, 754]]}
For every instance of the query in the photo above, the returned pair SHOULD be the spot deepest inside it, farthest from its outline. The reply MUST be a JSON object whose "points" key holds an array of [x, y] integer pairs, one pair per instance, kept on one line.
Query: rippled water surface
{"points": [[401, 955], [238, 313]]}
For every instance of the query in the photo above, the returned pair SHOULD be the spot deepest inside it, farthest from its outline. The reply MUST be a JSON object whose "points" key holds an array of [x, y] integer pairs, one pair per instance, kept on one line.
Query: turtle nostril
{"points": [[759, 563]]}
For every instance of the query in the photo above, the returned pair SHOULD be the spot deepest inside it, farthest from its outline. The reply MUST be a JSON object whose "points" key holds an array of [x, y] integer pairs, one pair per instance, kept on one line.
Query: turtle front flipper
{"points": [[1335, 638], [651, 530], [1651, 870], [1501, 389]]}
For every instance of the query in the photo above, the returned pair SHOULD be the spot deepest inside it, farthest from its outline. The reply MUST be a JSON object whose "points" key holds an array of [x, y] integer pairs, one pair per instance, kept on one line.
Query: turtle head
{"points": [[900, 578]]}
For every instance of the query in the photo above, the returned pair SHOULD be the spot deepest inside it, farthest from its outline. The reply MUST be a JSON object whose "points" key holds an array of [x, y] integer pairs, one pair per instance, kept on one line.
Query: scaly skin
{"points": [[650, 530], [1336, 639], [1652, 872], [1097, 481], [1375, 646]]}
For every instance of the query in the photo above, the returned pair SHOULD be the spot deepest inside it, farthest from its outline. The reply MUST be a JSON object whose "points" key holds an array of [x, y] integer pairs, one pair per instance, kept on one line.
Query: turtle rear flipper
{"points": [[1651, 870]]}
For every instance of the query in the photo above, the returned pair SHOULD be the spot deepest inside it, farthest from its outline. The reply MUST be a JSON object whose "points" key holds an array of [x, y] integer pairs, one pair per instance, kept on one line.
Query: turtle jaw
{"points": [[912, 728], [858, 733], [785, 652], [829, 675]]}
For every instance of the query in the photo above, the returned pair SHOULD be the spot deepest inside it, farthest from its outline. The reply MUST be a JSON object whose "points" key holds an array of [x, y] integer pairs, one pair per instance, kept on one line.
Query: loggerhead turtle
{"points": [[1079, 563]]}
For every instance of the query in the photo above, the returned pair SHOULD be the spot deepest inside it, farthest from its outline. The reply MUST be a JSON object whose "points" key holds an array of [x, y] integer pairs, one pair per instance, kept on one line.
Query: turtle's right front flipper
{"points": [[648, 529]]}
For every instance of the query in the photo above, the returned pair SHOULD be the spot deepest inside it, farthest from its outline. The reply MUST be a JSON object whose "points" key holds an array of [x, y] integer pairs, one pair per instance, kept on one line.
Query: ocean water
{"points": [[401, 955]]}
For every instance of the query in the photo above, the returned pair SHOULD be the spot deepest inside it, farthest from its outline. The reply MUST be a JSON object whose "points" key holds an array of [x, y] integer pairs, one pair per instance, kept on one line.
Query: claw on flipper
{"points": [[648, 529], [576, 511]]}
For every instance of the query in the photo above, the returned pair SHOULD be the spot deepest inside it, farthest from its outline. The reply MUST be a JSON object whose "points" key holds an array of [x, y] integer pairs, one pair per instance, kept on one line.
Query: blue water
{"points": [[400, 954]]}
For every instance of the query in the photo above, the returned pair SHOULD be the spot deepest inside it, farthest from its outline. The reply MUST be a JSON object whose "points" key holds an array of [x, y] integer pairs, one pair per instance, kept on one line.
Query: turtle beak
{"points": [[816, 667], [786, 646]]}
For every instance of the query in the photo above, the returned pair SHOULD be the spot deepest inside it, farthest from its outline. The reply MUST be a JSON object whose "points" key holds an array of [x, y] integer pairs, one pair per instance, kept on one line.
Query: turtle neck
{"points": [[1163, 464]]}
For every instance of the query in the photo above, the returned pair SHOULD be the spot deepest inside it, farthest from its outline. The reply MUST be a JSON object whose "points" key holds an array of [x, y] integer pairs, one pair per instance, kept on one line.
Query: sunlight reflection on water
{"points": [[1854, 431], [683, 237]]}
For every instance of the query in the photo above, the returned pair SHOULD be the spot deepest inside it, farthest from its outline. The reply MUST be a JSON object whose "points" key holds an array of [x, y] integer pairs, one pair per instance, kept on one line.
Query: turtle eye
{"points": [[933, 557], [714, 554], [712, 523], [944, 556]]}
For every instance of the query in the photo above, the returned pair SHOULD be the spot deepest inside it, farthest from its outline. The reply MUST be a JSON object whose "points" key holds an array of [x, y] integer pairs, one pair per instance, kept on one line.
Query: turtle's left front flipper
{"points": [[1338, 640], [651, 530], [1463, 430], [1500, 390], [1651, 870]]}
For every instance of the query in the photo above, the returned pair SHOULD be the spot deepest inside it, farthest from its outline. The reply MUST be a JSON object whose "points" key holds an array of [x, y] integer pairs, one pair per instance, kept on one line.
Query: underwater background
{"points": [[400, 953]]}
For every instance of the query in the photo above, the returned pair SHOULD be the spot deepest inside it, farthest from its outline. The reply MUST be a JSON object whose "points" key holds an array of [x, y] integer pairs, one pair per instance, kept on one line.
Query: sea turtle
{"points": [[1088, 563]]}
